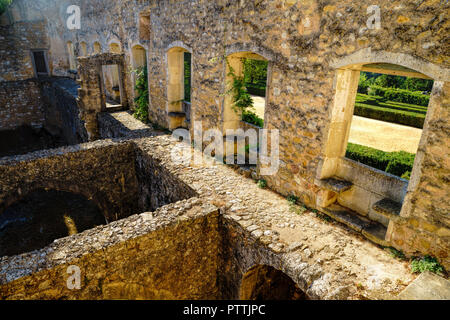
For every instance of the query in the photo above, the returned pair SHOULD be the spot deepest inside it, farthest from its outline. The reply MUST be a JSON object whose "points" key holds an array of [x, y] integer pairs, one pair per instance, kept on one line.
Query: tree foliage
{"points": [[3, 5]]}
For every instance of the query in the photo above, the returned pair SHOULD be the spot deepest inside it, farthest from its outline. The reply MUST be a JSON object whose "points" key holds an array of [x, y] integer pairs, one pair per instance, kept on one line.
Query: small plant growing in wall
{"points": [[262, 183], [141, 100], [427, 263], [292, 199], [396, 253]]}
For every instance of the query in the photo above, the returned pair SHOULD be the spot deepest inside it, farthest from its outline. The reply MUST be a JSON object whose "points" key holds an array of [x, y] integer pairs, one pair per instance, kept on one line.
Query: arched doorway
{"points": [[83, 50], [263, 282]]}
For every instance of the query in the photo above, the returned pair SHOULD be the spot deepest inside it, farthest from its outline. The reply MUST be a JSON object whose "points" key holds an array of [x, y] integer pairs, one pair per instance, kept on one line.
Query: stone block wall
{"points": [[147, 256], [61, 109], [306, 42], [104, 172], [21, 103], [16, 41]]}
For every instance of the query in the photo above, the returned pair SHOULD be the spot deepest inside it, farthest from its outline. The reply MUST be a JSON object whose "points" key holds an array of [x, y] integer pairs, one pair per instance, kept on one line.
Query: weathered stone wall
{"points": [[305, 42], [61, 109], [425, 221], [17, 40], [162, 187], [103, 172], [21, 103], [173, 255]]}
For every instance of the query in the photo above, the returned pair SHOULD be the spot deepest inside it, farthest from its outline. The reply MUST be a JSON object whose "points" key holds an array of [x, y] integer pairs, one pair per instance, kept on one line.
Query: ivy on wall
{"points": [[141, 100]]}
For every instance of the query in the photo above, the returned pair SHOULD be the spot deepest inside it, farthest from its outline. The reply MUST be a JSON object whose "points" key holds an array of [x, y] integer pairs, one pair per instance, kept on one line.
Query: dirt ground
{"points": [[384, 135], [258, 104]]}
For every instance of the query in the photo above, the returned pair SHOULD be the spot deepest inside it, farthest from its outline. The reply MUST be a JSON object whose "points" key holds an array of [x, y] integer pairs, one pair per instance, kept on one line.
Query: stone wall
{"points": [[17, 40], [173, 255], [61, 109], [103, 172], [307, 43], [21, 103]]}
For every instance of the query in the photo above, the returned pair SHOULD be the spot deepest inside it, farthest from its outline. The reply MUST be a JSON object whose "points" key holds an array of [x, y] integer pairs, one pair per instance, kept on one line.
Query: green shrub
{"points": [[256, 89], [398, 163], [400, 95], [141, 110], [251, 117], [3, 5], [406, 175], [427, 263], [411, 119]]}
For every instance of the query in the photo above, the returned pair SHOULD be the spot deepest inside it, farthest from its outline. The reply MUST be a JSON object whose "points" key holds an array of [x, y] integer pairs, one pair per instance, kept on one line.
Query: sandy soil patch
{"points": [[384, 135]]}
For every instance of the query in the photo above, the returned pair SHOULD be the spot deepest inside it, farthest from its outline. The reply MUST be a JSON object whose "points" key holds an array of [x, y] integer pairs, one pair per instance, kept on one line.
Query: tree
{"points": [[3, 5], [415, 84]]}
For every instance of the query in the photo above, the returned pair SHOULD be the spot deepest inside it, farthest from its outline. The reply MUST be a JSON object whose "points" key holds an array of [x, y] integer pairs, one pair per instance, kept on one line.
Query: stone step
{"points": [[372, 230], [177, 114], [114, 108], [334, 184], [388, 208]]}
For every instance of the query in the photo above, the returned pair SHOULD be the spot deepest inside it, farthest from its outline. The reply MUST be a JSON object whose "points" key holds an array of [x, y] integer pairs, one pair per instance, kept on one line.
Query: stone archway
{"points": [[263, 282], [91, 95]]}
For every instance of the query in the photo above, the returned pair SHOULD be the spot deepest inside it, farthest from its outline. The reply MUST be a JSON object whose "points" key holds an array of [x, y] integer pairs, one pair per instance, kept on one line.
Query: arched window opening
{"points": [[42, 216], [179, 87], [250, 70], [267, 283], [144, 27], [97, 47], [376, 126], [83, 50], [71, 54], [139, 60]]}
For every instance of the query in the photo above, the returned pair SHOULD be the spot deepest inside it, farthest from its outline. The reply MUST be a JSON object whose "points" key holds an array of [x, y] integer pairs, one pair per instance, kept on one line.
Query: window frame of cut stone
{"points": [[177, 108], [45, 55], [373, 194]]}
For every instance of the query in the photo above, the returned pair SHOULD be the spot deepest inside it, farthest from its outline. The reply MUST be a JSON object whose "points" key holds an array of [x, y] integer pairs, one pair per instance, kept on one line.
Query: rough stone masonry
{"points": [[315, 50]]}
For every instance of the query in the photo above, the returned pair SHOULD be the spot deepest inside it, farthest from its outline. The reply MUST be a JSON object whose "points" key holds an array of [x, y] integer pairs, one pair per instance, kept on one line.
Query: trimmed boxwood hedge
{"points": [[256, 90], [400, 95], [398, 163], [407, 118]]}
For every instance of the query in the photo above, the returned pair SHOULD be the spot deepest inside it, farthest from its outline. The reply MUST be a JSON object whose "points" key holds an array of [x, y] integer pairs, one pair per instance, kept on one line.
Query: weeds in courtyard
{"points": [[262, 183], [427, 263], [323, 217], [396, 253], [292, 199]]}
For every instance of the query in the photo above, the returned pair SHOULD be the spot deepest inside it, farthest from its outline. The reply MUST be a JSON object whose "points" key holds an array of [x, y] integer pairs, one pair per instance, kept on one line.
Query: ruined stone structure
{"points": [[315, 50]]}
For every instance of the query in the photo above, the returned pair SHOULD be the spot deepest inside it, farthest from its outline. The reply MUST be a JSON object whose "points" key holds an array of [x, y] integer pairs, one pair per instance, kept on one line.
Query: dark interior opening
{"points": [[39, 63], [267, 283], [42, 216]]}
